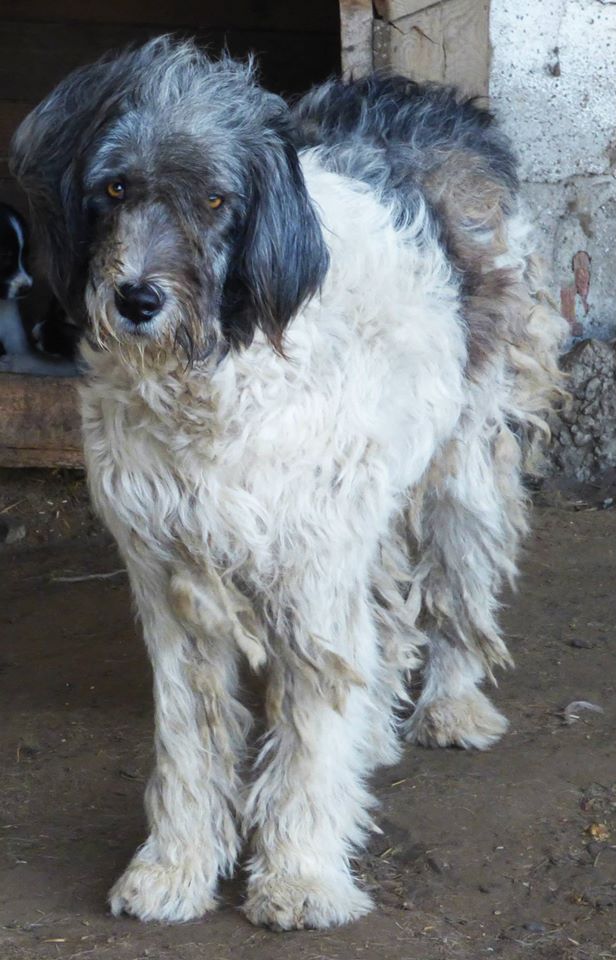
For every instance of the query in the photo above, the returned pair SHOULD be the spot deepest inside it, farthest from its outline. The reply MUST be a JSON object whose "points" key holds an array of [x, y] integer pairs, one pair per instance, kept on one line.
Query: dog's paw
{"points": [[151, 891], [297, 903], [470, 721]]}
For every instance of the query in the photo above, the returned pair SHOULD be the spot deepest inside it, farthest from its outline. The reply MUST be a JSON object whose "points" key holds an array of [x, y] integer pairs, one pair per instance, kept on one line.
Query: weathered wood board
{"points": [[39, 422], [446, 41], [356, 29]]}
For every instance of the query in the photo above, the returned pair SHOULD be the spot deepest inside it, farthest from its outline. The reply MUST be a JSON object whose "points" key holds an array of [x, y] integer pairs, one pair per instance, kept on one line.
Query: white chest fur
{"points": [[251, 458]]}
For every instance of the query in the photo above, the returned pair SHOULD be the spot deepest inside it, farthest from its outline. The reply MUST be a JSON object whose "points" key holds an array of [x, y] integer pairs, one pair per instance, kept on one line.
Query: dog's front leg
{"points": [[309, 806], [200, 728]]}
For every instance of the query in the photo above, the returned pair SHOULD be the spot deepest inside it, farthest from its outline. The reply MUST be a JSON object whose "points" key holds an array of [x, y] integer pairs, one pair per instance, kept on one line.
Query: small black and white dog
{"points": [[15, 281], [54, 338], [318, 354]]}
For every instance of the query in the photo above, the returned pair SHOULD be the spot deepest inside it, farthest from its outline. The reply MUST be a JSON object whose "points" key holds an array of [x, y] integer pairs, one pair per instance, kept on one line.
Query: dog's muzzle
{"points": [[139, 302]]}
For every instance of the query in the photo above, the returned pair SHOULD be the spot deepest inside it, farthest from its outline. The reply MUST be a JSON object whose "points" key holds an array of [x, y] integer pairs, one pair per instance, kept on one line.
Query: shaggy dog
{"points": [[318, 352]]}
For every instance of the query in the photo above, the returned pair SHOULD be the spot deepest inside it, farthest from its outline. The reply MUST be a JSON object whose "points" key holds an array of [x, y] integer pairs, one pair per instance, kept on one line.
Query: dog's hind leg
{"points": [[473, 514], [452, 710], [193, 794]]}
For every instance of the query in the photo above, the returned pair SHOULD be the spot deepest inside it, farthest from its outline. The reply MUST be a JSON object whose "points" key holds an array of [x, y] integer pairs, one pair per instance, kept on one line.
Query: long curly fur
{"points": [[311, 455]]}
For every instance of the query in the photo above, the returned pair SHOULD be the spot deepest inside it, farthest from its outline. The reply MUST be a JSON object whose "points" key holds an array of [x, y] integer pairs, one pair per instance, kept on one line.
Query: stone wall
{"points": [[583, 443]]}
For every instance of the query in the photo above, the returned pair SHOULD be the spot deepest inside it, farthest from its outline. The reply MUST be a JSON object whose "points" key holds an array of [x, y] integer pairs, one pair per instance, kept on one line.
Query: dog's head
{"points": [[168, 202]]}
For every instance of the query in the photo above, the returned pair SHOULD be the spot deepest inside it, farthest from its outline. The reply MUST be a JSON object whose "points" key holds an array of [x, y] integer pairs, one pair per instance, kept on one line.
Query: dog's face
{"points": [[15, 281], [168, 201]]}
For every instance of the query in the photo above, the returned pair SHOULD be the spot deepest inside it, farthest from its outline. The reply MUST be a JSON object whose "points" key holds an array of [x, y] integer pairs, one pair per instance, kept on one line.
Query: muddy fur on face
{"points": [[318, 357]]}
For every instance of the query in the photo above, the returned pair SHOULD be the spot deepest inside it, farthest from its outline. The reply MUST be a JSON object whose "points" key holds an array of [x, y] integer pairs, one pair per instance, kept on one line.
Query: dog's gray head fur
{"points": [[175, 128]]}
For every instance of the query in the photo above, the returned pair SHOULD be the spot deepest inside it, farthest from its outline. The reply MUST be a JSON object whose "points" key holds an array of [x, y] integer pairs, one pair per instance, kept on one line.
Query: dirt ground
{"points": [[508, 854]]}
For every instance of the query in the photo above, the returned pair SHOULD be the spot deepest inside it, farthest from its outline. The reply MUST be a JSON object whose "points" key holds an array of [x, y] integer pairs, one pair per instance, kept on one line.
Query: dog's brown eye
{"points": [[116, 190], [215, 200]]}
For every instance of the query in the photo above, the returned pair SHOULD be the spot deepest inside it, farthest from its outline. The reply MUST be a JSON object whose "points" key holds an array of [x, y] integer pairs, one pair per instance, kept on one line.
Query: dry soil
{"points": [[509, 853]]}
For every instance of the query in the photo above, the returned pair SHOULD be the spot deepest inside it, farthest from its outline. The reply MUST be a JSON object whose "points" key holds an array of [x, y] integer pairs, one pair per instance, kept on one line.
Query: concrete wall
{"points": [[553, 83]]}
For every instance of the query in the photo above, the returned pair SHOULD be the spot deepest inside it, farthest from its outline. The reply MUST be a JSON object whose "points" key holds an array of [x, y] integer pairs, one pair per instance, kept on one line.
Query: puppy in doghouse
{"points": [[15, 281]]}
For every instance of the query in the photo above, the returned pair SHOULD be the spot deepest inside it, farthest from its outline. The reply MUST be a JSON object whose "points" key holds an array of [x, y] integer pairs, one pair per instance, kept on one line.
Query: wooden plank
{"points": [[35, 56], [319, 16], [356, 20], [40, 422], [466, 41], [447, 42], [20, 457], [412, 48], [393, 10]]}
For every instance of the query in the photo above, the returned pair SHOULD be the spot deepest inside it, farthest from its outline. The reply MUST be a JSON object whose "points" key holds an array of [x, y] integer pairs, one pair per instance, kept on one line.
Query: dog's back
{"points": [[418, 143], [416, 125]]}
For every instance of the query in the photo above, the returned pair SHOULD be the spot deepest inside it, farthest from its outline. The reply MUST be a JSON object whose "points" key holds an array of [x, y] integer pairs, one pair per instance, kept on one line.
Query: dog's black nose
{"points": [[139, 302]]}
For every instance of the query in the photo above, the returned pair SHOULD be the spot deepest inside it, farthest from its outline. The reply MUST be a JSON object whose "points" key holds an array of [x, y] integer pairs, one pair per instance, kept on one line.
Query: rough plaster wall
{"points": [[553, 83]]}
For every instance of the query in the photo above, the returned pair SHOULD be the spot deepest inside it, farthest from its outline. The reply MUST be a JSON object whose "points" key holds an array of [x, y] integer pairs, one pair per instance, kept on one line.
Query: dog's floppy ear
{"points": [[279, 257]]}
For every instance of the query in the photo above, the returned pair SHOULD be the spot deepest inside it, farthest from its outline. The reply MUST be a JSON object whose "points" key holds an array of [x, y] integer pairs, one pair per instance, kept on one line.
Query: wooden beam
{"points": [[443, 41], [356, 18], [393, 10], [40, 424]]}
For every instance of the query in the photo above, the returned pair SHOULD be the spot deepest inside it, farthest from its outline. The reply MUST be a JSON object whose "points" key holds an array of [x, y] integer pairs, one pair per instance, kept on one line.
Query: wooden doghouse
{"points": [[298, 44]]}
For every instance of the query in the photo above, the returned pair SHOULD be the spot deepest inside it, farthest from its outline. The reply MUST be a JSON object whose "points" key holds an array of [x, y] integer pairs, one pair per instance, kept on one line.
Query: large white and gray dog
{"points": [[318, 352]]}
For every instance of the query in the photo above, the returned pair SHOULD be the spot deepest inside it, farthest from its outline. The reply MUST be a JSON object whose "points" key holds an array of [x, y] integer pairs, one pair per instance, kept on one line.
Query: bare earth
{"points": [[509, 854]]}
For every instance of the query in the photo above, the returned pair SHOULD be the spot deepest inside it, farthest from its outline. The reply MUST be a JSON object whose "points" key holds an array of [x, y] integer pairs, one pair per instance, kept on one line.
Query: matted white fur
{"points": [[256, 503]]}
